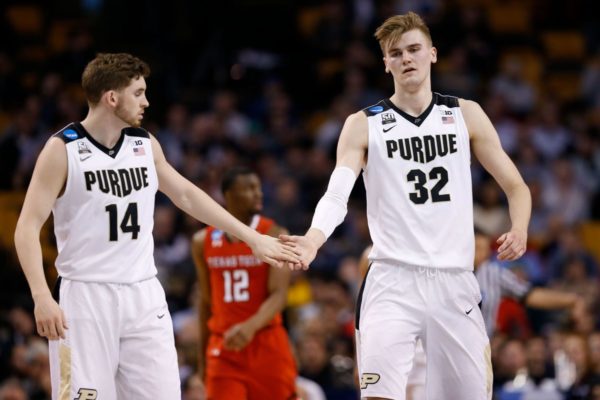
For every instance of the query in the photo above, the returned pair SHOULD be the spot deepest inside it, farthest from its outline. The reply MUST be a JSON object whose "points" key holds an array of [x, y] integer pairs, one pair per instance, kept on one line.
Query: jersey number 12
{"points": [[236, 285]]}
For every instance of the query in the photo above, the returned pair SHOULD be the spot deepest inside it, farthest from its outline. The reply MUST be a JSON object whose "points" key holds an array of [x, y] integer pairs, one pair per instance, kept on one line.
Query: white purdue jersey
{"points": [[103, 221], [418, 184]]}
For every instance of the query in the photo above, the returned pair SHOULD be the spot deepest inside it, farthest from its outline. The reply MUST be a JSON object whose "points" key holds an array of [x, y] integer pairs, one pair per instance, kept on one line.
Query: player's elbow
{"points": [[24, 233]]}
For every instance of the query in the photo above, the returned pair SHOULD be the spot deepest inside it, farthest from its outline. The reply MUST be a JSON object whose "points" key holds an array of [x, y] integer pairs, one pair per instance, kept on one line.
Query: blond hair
{"points": [[111, 71], [394, 27]]}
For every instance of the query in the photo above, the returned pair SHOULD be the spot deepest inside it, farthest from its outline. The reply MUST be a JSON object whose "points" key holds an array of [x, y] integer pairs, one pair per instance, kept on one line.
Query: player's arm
{"points": [[488, 150], [332, 208], [537, 297], [550, 299], [204, 312], [191, 199], [240, 335], [47, 181]]}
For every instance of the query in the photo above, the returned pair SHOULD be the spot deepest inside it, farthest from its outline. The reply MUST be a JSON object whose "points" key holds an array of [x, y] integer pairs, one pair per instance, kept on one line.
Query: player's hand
{"points": [[49, 317], [238, 336], [512, 245], [305, 248], [274, 252]]}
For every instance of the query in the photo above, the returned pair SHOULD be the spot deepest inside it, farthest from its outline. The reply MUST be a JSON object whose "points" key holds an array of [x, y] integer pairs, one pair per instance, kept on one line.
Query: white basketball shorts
{"points": [[399, 304], [119, 344]]}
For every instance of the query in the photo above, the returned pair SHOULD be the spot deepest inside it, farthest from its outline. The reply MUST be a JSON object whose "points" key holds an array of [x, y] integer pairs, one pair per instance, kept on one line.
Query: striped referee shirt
{"points": [[495, 282]]}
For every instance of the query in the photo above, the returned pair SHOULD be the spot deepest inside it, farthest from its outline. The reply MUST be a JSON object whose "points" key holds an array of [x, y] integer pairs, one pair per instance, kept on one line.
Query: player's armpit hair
{"points": [[332, 207]]}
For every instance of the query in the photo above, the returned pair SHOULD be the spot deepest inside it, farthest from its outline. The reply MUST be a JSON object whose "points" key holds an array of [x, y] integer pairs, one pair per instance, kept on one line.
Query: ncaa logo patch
{"points": [[376, 109], [216, 238], [368, 379], [70, 134]]}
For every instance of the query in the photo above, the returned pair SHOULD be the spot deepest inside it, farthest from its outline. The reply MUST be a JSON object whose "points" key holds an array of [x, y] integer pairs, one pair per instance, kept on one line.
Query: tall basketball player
{"points": [[109, 327], [414, 151], [245, 352]]}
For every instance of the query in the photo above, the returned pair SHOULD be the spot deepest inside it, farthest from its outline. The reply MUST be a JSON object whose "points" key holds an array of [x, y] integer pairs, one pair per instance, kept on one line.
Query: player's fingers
{"points": [[292, 249], [60, 331], [41, 329], [286, 238], [506, 243], [52, 333], [293, 254], [276, 263], [501, 239], [64, 320], [284, 255]]}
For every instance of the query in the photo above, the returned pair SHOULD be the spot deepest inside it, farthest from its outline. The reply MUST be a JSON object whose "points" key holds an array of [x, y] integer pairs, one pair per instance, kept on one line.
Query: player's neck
{"points": [[412, 103], [104, 126]]}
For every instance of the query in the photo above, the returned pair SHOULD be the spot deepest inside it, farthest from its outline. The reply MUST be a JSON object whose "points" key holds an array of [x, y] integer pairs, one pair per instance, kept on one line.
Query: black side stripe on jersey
{"points": [[109, 152], [359, 298], [56, 290]]}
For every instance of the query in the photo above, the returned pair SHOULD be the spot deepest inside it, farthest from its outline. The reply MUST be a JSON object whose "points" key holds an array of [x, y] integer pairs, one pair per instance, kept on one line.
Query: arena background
{"points": [[268, 84]]}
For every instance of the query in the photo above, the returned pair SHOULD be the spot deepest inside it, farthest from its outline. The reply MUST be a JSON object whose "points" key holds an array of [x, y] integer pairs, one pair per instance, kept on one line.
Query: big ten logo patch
{"points": [[87, 394], [368, 379]]}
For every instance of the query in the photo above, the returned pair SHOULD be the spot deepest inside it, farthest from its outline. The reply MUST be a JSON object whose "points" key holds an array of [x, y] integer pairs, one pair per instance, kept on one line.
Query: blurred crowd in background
{"points": [[268, 84]]}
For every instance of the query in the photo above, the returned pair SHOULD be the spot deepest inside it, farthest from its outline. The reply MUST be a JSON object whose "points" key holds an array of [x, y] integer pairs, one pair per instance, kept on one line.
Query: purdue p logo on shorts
{"points": [[87, 394], [368, 379]]}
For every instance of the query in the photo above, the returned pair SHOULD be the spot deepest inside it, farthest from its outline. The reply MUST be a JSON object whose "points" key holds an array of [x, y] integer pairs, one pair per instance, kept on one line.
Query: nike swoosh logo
{"points": [[469, 312], [160, 316], [389, 129]]}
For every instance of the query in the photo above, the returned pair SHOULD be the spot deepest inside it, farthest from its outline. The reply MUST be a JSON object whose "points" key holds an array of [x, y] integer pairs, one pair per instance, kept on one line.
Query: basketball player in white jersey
{"points": [[414, 152], [109, 327]]}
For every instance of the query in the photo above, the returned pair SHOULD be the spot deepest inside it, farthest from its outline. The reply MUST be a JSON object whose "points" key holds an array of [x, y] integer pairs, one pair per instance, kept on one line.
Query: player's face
{"points": [[246, 193], [131, 102], [409, 59]]}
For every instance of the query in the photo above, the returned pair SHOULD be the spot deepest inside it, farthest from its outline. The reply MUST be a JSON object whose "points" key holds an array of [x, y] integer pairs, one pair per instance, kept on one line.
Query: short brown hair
{"points": [[111, 71], [393, 27]]}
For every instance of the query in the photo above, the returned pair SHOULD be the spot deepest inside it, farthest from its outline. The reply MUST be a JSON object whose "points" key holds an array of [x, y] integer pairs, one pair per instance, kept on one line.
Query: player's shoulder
{"points": [[200, 236], [136, 132], [374, 109], [446, 100], [69, 133], [469, 107]]}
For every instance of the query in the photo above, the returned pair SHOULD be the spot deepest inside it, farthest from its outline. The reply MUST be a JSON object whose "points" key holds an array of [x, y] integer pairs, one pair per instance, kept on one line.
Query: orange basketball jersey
{"points": [[239, 281]]}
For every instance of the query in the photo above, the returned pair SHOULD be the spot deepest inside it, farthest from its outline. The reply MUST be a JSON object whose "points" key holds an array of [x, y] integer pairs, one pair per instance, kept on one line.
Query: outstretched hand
{"points": [[274, 252], [304, 247], [512, 245]]}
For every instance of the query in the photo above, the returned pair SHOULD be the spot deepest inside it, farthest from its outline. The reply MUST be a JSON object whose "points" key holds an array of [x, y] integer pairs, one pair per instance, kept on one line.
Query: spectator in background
{"points": [[511, 85], [564, 195], [549, 136], [11, 389]]}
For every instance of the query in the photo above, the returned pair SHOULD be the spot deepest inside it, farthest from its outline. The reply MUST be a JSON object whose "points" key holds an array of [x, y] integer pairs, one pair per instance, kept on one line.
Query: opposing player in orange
{"points": [[245, 352]]}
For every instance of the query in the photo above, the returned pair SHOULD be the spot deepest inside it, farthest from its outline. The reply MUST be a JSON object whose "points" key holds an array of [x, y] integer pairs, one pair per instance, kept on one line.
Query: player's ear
{"points": [[110, 98], [433, 55], [387, 69]]}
